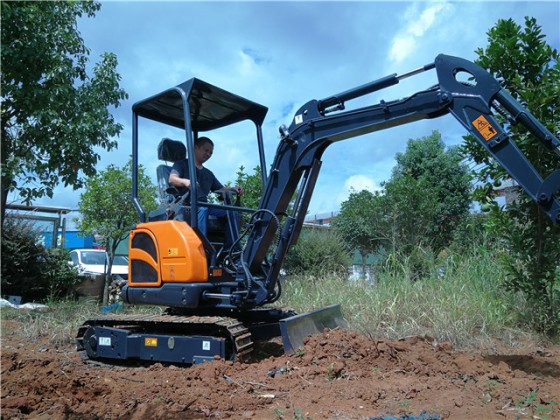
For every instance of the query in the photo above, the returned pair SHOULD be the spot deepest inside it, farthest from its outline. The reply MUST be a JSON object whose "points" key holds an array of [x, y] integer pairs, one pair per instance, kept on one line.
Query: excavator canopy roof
{"points": [[210, 107]]}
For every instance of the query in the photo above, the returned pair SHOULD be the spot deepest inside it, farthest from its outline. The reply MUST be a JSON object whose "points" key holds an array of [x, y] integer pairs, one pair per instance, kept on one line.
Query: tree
{"points": [[411, 205], [107, 210], [530, 71], [428, 193], [362, 223], [54, 114], [252, 184]]}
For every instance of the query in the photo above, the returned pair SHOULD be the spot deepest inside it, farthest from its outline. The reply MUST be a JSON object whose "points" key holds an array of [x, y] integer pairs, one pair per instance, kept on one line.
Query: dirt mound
{"points": [[337, 375]]}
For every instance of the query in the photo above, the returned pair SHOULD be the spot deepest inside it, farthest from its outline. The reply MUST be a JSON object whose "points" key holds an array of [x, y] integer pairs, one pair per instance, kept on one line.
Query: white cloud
{"points": [[357, 183], [405, 42]]}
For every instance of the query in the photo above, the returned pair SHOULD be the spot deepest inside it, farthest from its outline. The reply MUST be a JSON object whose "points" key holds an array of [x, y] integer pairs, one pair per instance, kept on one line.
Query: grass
{"points": [[59, 321], [464, 306]]}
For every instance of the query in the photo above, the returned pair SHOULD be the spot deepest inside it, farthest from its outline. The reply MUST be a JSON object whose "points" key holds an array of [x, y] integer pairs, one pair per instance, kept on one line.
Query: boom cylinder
{"points": [[370, 87], [340, 98]]}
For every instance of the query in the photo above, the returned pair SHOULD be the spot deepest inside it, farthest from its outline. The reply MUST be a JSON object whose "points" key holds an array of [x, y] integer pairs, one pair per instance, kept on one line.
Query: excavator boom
{"points": [[318, 124]]}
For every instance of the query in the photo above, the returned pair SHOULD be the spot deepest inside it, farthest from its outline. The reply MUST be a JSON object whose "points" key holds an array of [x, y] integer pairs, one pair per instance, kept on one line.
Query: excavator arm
{"points": [[320, 123]]}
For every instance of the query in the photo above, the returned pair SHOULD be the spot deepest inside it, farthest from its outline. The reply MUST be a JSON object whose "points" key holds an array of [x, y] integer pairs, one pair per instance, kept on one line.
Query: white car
{"points": [[95, 261]]}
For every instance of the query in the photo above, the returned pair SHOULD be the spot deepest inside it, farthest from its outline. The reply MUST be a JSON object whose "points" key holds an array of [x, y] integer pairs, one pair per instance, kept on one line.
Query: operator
{"points": [[207, 182]]}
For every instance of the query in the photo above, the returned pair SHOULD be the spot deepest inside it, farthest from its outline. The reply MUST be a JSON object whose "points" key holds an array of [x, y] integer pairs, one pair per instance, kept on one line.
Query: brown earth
{"points": [[337, 375]]}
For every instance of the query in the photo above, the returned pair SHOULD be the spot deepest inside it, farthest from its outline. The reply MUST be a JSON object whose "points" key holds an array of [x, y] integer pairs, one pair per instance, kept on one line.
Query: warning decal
{"points": [[484, 127]]}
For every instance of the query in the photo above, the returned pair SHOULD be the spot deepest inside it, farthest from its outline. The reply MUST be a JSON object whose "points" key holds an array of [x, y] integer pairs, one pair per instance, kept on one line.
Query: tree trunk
{"points": [[106, 285], [108, 269], [110, 248], [6, 180], [364, 260]]}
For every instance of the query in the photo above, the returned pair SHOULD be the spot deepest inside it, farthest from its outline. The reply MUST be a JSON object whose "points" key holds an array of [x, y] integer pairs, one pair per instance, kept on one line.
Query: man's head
{"points": [[203, 149]]}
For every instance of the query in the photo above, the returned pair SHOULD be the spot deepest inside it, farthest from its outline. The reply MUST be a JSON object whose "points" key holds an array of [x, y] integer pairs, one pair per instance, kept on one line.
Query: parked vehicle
{"points": [[95, 262]]}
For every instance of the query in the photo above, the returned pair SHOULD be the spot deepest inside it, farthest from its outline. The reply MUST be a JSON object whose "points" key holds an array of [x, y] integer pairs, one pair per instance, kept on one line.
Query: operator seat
{"points": [[169, 151]]}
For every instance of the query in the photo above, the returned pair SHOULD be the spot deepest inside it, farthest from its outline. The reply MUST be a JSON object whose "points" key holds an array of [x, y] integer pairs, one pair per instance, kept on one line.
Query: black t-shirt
{"points": [[206, 179]]}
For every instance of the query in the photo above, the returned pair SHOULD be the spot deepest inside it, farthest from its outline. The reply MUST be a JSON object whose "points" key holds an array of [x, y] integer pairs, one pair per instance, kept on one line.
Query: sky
{"points": [[283, 54]]}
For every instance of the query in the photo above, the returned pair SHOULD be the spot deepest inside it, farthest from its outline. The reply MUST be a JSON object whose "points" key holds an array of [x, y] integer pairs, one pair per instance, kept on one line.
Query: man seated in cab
{"points": [[207, 182]]}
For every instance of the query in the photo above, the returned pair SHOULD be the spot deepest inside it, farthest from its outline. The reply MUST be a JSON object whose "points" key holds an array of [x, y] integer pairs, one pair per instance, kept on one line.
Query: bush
{"points": [[319, 252], [21, 254], [60, 277], [472, 234], [28, 268]]}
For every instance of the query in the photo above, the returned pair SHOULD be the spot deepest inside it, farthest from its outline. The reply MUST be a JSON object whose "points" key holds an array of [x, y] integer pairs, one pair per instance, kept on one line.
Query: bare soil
{"points": [[337, 375]]}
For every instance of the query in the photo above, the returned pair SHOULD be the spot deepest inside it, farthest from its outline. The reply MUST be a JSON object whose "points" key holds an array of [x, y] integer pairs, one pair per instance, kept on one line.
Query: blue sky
{"points": [[283, 54]]}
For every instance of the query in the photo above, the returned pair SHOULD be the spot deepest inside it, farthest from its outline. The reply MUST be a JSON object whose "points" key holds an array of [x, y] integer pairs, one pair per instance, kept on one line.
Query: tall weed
{"points": [[460, 301]]}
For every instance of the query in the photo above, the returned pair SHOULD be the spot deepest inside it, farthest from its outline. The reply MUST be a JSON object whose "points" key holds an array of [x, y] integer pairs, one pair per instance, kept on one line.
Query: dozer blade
{"points": [[297, 328]]}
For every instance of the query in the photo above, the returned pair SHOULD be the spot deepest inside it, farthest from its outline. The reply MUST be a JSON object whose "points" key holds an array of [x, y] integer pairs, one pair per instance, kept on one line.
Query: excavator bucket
{"points": [[297, 328]]}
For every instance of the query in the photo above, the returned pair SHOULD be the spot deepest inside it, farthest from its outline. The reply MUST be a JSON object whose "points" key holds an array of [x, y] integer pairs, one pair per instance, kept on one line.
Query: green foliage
{"points": [[535, 405], [252, 184], [21, 255], [415, 264], [471, 234], [107, 209], [362, 222], [62, 318], [54, 115], [416, 215], [428, 194], [530, 258], [29, 269], [411, 207], [60, 277], [530, 71], [298, 415], [318, 251]]}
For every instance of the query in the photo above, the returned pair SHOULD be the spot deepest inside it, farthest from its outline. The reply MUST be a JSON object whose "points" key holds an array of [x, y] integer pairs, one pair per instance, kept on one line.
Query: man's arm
{"points": [[177, 181], [178, 176]]}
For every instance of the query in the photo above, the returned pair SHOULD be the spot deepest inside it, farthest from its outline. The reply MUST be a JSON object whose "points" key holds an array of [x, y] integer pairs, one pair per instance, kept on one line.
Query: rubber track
{"points": [[230, 328]]}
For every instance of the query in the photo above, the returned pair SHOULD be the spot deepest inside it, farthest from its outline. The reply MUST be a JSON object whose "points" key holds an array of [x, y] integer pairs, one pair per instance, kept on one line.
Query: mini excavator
{"points": [[219, 303]]}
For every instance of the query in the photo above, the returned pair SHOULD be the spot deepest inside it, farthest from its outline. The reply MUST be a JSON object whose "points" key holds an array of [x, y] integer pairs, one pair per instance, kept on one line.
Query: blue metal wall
{"points": [[72, 240]]}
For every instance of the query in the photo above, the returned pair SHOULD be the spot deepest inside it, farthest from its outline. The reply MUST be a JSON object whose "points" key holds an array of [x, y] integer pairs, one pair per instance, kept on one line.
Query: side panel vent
{"points": [[143, 272], [144, 242]]}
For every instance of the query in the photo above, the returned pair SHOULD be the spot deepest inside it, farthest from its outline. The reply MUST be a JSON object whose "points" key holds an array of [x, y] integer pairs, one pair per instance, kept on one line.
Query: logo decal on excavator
{"points": [[150, 342], [172, 252], [484, 127]]}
